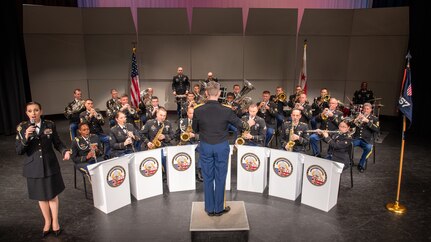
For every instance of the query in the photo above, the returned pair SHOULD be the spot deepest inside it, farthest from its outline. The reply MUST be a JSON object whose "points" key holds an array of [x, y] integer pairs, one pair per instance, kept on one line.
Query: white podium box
{"points": [[180, 166], [285, 174], [146, 174], [321, 179], [110, 183], [252, 168], [229, 168]]}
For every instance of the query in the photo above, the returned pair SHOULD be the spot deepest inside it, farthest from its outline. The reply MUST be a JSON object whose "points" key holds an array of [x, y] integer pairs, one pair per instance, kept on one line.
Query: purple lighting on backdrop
{"points": [[245, 5]]}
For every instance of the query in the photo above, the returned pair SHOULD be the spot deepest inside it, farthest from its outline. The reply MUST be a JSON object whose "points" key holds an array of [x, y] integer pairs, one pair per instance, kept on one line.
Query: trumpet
{"points": [[325, 114], [281, 97], [359, 119]]}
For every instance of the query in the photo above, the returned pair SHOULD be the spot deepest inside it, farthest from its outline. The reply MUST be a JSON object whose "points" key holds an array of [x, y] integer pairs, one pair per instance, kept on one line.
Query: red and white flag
{"points": [[134, 82], [303, 75]]}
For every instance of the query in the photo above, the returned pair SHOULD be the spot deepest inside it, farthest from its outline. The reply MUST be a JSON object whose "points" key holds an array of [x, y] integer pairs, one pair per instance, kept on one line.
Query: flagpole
{"points": [[397, 207]]}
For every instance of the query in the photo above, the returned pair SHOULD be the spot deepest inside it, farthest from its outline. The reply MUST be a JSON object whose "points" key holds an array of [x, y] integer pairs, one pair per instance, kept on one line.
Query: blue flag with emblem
{"points": [[405, 102]]}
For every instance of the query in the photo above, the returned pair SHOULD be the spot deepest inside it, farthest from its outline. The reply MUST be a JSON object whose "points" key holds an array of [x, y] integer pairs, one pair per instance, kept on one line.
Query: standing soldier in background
{"points": [[72, 111], [363, 95], [180, 86]]}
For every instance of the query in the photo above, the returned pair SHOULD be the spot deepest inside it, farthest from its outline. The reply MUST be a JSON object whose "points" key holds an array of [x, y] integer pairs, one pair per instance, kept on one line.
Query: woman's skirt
{"points": [[46, 188]]}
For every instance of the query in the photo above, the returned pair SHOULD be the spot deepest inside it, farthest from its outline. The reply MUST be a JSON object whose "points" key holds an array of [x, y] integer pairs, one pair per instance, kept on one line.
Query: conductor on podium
{"points": [[211, 121]]}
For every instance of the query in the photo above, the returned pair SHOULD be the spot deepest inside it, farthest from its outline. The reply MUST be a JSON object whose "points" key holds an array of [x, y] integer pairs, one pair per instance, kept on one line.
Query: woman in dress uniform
{"points": [[35, 139]]}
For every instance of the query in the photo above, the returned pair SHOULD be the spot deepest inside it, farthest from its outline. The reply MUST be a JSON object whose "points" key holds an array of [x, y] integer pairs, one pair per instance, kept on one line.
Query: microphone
{"points": [[33, 123]]}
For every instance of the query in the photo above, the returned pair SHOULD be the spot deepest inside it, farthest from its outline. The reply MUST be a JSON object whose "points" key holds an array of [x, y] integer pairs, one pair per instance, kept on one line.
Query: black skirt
{"points": [[46, 188]]}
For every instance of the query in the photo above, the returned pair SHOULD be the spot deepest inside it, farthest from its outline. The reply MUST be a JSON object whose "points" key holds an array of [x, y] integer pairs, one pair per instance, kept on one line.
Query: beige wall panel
{"points": [[269, 57], [326, 22], [108, 56], [270, 21], [223, 55], [327, 57], [381, 21], [217, 21], [46, 19], [163, 21], [107, 21], [159, 56]]}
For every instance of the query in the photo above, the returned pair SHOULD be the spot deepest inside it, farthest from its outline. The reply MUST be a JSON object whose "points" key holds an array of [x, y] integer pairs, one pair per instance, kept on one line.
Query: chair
{"points": [[352, 163], [76, 168]]}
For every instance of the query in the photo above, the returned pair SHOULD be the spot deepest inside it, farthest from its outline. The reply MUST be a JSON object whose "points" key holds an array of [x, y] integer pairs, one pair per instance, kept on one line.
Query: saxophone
{"points": [[291, 143], [156, 140], [240, 140], [185, 135]]}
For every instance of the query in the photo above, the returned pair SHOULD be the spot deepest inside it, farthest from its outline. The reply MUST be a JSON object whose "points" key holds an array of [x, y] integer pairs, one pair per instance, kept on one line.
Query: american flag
{"points": [[303, 74], [134, 82]]}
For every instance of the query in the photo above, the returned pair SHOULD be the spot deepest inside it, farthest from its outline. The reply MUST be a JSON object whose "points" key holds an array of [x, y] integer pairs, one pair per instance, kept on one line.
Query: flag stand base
{"points": [[396, 208]]}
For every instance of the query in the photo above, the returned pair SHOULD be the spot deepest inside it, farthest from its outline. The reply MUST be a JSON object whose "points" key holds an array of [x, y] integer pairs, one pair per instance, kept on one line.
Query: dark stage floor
{"points": [[360, 214]]}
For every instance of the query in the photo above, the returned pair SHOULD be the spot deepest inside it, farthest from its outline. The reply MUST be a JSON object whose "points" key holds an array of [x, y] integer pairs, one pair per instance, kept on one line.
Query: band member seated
{"points": [[305, 108], [72, 111], [339, 143], [113, 105], [210, 77], [319, 104], [329, 119], [180, 87], [280, 99], [366, 125], [145, 102], [190, 102], [236, 91], [268, 111], [95, 120], [152, 109], [86, 149], [255, 136], [132, 115], [186, 136], [363, 95], [293, 133], [199, 96], [122, 136], [158, 133], [236, 108], [294, 97]]}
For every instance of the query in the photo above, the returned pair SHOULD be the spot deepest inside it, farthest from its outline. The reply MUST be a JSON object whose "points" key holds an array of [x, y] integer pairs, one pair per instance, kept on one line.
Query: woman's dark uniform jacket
{"points": [[41, 165], [81, 148], [340, 146]]}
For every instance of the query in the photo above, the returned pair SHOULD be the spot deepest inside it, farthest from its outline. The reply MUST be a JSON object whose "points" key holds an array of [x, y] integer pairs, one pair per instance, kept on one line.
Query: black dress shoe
{"points": [[361, 169], [211, 214], [45, 233], [225, 210], [57, 232]]}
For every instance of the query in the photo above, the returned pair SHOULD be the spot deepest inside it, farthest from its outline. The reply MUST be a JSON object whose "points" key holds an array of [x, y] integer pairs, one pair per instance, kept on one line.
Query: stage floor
{"points": [[360, 214]]}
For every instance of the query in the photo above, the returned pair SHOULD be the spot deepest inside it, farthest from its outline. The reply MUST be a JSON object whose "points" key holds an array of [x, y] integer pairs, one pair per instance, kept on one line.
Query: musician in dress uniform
{"points": [[72, 111], [113, 105], [122, 136], [281, 104], [185, 127], [35, 140], [211, 121], [190, 102], [305, 108], [236, 91], [319, 104], [268, 111], [340, 144], [294, 97], [180, 86], [363, 95], [236, 108], [152, 109], [294, 130], [95, 121], [144, 103], [86, 149], [199, 96], [257, 128], [132, 115], [366, 125], [329, 119]]}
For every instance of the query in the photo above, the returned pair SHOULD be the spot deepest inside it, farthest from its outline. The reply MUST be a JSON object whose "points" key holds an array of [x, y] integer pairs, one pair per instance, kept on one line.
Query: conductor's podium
{"points": [[110, 183], [252, 168], [320, 182]]}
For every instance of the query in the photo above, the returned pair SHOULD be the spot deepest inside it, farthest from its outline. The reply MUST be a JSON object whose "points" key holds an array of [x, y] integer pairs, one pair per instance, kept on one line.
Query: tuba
{"points": [[247, 87], [156, 140], [281, 97]]}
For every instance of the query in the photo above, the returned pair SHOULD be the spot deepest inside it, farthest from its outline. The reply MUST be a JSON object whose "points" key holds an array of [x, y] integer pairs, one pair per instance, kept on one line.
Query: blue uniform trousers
{"points": [[314, 142], [213, 160], [367, 148]]}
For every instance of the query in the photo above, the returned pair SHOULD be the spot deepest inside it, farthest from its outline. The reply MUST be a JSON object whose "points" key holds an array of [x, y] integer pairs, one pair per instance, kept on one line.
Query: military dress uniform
{"points": [[150, 113], [306, 113], [95, 124], [211, 121], [300, 130], [113, 106], [71, 112], [362, 96], [331, 123], [318, 106], [180, 85], [270, 120], [118, 135], [41, 168], [363, 137], [182, 127], [81, 147], [339, 149], [258, 131]]}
